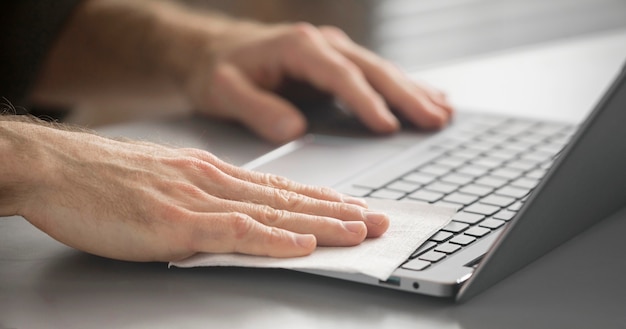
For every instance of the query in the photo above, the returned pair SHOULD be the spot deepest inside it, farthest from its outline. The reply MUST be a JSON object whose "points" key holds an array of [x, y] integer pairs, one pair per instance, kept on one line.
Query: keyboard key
{"points": [[467, 154], [441, 236], [517, 146], [516, 206], [423, 248], [494, 138], [469, 218], [525, 183], [488, 162], [455, 227], [448, 248], [473, 171], [491, 181], [546, 165], [423, 195], [419, 178], [549, 148], [491, 223], [477, 190], [514, 192], [548, 129], [483, 209], [387, 194], [497, 200], [432, 256], [463, 239], [416, 265], [456, 179], [536, 174], [477, 231], [460, 198], [502, 154], [531, 138], [506, 173], [434, 169], [536, 156], [403, 186], [442, 187], [504, 214], [514, 127], [523, 165], [448, 204], [450, 161], [479, 145]]}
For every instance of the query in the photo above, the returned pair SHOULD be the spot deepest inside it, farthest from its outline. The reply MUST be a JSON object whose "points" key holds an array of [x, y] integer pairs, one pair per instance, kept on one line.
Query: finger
{"points": [[208, 182], [267, 115], [376, 222], [309, 57], [436, 96], [328, 231], [239, 233], [317, 192], [417, 104]]}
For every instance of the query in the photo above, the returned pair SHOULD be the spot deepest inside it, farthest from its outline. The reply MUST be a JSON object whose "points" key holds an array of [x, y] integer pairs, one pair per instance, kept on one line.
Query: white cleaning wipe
{"points": [[411, 223]]}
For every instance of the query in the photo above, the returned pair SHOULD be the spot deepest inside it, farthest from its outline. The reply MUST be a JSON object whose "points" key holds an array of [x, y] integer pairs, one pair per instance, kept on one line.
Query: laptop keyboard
{"points": [[486, 171]]}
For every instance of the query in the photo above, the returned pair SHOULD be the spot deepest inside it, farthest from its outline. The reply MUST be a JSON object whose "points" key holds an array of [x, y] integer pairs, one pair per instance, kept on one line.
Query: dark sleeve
{"points": [[28, 29]]}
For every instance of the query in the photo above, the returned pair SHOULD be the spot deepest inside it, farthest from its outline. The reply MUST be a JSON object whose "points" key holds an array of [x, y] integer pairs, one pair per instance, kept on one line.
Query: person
{"points": [[138, 201]]}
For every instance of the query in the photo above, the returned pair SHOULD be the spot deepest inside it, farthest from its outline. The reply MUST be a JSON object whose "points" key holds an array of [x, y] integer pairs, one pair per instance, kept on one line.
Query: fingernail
{"points": [[375, 218], [306, 240], [355, 227]]}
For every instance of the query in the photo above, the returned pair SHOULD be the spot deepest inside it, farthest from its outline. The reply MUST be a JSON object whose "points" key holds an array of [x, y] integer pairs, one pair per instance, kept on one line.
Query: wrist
{"points": [[188, 40]]}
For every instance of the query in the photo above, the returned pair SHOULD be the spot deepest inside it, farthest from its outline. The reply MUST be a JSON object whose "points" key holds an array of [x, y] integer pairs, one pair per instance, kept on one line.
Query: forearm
{"points": [[110, 48], [22, 161]]}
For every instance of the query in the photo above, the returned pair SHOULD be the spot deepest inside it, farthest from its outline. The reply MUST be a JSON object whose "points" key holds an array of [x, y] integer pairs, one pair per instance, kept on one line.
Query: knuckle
{"points": [[276, 181], [220, 75], [199, 166], [346, 69], [199, 154], [241, 225], [275, 236], [304, 31], [345, 211], [290, 199], [328, 192], [271, 216], [333, 31]]}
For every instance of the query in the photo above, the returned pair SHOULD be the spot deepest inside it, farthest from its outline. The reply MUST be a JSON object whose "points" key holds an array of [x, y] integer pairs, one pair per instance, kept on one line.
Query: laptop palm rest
{"points": [[325, 160]]}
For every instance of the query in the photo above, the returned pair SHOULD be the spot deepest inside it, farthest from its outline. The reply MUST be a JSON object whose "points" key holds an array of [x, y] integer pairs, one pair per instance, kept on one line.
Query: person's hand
{"points": [[145, 202], [131, 54], [235, 78]]}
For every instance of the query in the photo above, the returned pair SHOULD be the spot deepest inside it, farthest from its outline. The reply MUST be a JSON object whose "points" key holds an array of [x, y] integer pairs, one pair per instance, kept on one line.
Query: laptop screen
{"points": [[586, 184]]}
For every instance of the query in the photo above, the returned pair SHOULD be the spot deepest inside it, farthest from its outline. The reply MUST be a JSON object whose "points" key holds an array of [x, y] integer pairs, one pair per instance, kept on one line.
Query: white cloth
{"points": [[411, 224]]}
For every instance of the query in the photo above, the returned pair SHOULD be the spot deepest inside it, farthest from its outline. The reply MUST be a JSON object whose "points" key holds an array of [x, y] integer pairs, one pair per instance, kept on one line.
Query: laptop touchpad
{"points": [[325, 160]]}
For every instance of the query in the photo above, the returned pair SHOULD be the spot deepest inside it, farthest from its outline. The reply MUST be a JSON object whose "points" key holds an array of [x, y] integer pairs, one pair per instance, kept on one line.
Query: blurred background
{"points": [[414, 34], [419, 33]]}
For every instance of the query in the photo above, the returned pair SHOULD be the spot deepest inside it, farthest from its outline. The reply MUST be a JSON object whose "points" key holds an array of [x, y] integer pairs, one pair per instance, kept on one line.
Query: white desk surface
{"points": [[44, 284]]}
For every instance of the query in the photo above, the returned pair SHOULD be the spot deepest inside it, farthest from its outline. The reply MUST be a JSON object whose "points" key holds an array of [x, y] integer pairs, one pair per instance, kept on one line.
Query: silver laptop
{"points": [[522, 186]]}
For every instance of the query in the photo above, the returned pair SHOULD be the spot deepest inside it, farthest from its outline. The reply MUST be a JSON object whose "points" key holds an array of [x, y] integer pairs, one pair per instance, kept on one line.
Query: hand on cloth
{"points": [[140, 201]]}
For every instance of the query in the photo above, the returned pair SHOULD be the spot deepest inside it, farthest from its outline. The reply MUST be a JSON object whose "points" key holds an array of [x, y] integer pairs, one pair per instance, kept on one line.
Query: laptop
{"points": [[522, 187]]}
